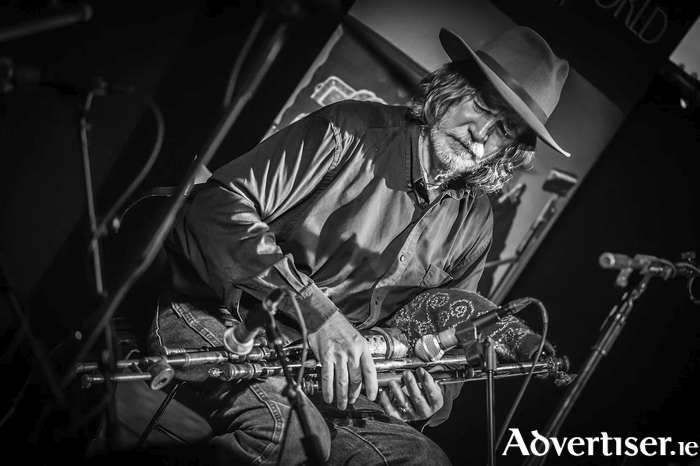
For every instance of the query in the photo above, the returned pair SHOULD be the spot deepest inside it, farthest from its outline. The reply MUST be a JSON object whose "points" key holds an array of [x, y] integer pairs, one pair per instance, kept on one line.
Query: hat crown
{"points": [[524, 71], [529, 60]]}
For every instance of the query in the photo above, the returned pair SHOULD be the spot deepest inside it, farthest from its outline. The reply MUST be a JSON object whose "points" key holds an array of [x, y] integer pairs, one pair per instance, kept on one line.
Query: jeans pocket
{"points": [[199, 326]]}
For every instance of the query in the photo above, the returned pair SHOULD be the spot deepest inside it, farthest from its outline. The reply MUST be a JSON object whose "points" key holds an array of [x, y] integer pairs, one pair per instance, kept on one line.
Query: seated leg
{"points": [[377, 439], [252, 421]]}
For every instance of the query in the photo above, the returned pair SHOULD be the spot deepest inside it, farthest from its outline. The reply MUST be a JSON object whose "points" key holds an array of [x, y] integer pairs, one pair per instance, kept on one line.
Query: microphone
{"points": [[610, 260], [240, 339], [432, 347], [29, 77], [645, 264]]}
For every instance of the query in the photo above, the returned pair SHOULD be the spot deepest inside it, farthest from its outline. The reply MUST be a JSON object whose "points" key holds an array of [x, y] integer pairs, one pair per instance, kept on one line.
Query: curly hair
{"points": [[448, 85]]}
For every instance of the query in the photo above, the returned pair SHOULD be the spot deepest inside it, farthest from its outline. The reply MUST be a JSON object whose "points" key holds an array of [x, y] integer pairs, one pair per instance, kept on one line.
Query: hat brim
{"points": [[458, 50]]}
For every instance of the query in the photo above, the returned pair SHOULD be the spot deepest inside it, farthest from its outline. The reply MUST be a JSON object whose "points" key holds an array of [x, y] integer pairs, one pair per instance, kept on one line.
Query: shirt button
{"points": [[402, 258]]}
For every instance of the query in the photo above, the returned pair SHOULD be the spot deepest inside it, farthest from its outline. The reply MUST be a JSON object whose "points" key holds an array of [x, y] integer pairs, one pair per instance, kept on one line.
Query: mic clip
{"points": [[467, 333], [468, 336], [474, 353]]}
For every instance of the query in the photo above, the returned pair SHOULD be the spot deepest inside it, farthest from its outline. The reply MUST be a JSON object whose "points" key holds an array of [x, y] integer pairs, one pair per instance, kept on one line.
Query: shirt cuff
{"points": [[315, 307]]}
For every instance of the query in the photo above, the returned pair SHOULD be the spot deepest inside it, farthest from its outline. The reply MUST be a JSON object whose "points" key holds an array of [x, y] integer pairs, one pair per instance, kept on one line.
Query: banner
{"points": [[618, 45]]}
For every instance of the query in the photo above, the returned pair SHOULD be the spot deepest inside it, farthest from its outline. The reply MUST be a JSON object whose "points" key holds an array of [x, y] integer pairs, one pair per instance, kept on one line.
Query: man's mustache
{"points": [[475, 149]]}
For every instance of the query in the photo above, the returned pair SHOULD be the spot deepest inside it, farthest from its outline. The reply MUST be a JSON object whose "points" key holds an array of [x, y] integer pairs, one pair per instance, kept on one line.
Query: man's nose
{"points": [[482, 128]]}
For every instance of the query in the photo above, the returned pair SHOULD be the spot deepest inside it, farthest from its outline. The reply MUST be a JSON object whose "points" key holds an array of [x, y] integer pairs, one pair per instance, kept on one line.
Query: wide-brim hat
{"points": [[524, 71]]}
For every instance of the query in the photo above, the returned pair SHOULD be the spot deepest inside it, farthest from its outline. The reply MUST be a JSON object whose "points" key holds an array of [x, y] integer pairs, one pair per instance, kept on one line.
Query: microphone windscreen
{"points": [[427, 348]]}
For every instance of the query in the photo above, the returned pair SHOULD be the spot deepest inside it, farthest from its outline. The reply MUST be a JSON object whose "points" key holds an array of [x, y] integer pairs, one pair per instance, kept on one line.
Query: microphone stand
{"points": [[609, 331], [490, 364], [484, 354], [558, 183], [107, 357], [525, 247], [145, 255], [310, 442]]}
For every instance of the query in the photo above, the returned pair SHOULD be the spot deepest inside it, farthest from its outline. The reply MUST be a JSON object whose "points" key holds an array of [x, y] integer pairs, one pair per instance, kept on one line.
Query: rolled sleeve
{"points": [[225, 231]]}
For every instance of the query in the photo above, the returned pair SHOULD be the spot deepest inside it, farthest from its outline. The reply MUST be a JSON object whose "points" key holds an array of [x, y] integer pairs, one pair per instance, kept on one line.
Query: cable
{"points": [[245, 51], [304, 342], [304, 350], [144, 257], [528, 377], [155, 151], [99, 229]]}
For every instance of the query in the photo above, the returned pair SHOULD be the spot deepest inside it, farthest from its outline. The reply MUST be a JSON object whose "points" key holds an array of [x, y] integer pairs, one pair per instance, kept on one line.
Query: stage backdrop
{"points": [[383, 48]]}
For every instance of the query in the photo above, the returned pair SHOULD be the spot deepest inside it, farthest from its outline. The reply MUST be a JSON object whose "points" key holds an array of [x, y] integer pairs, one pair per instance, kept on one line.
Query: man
{"points": [[370, 215]]}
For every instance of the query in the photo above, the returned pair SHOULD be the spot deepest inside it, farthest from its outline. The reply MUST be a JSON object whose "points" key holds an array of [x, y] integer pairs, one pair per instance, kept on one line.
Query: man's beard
{"points": [[454, 158]]}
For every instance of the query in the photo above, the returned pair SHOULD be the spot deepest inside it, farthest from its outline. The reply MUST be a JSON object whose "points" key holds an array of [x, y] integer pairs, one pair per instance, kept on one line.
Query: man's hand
{"points": [[421, 398], [346, 361]]}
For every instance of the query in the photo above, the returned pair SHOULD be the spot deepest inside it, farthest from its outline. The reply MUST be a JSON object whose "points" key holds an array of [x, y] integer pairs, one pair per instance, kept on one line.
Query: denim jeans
{"points": [[252, 421], [375, 438]]}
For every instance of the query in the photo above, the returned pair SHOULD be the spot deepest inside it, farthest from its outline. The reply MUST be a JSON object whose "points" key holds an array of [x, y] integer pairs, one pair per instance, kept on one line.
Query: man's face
{"points": [[470, 134]]}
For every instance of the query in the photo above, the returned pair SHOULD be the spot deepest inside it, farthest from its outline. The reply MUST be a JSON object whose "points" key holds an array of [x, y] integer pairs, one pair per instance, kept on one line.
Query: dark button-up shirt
{"points": [[332, 208]]}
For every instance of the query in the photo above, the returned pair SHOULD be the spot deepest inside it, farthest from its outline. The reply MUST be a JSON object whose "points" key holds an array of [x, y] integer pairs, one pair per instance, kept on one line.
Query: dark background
{"points": [[639, 198]]}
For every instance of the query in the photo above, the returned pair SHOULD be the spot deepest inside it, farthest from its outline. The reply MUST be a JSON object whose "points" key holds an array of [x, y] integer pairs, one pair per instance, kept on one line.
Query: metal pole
{"points": [[490, 364], [611, 329], [143, 257]]}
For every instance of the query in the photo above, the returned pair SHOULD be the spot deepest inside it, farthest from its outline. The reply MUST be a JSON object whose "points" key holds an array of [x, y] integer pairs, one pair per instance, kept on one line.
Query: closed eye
{"points": [[504, 130], [512, 127], [481, 108]]}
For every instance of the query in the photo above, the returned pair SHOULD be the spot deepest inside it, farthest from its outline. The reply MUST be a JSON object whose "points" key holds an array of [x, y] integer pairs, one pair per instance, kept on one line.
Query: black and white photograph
{"points": [[350, 232]]}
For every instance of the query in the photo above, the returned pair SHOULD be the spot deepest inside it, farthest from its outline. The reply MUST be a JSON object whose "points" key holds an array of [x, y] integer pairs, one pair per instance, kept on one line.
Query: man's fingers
{"points": [[419, 397], [399, 396], [388, 407], [369, 375], [433, 391], [415, 392], [341, 384], [327, 381], [346, 359], [427, 396], [428, 384], [355, 379]]}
